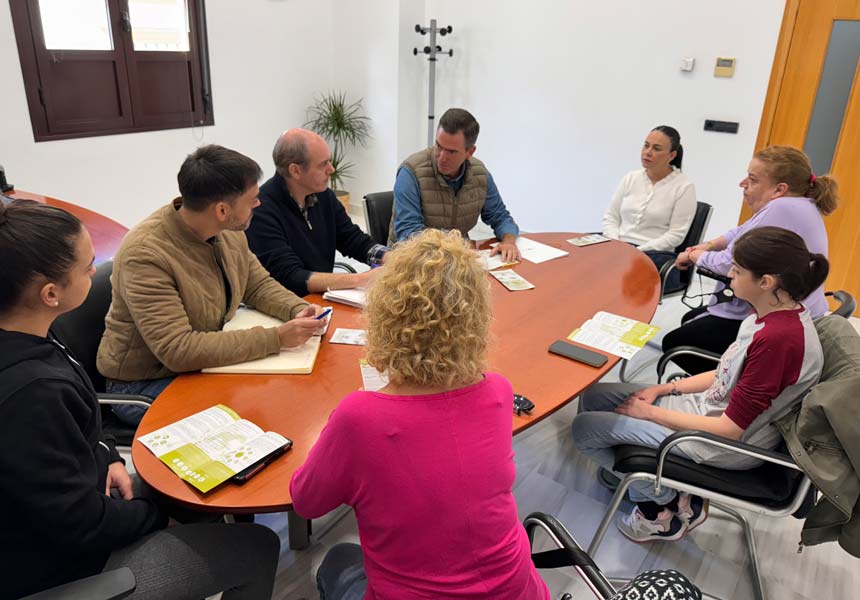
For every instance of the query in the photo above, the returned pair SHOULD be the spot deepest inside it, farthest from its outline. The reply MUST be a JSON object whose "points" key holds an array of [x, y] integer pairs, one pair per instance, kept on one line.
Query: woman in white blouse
{"points": [[655, 205]]}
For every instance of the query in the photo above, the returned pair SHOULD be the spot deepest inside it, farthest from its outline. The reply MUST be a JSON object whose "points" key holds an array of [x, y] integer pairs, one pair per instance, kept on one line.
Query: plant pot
{"points": [[344, 199]]}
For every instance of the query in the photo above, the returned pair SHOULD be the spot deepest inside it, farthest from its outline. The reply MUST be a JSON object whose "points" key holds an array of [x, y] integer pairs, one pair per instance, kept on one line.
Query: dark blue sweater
{"points": [[290, 248]]}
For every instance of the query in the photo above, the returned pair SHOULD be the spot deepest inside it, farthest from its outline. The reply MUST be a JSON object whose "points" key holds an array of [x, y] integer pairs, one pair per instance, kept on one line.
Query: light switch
{"points": [[725, 67], [688, 63]]}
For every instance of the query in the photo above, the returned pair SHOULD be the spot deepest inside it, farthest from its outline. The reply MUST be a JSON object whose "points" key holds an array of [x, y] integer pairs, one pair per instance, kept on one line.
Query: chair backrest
{"points": [[697, 228], [81, 330], [378, 208]]}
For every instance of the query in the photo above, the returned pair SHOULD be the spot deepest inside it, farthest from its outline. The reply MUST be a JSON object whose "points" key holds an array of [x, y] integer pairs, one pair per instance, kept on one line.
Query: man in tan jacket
{"points": [[182, 273]]}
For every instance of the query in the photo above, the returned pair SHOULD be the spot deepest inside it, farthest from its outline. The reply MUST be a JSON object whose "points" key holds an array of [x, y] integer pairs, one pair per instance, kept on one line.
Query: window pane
{"points": [[832, 97], [76, 24], [159, 25]]}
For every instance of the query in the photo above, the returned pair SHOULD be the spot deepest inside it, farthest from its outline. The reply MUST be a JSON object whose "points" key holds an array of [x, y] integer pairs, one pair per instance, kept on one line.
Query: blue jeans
{"points": [[597, 429], [341, 575], [150, 388]]}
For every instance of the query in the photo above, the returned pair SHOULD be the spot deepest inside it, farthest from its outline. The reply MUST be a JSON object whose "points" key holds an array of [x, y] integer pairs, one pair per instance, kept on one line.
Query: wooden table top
{"points": [[611, 276], [106, 233]]}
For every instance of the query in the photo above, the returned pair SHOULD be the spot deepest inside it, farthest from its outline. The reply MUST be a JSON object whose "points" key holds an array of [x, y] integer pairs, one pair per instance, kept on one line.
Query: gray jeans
{"points": [[597, 429], [201, 560], [150, 388], [341, 575]]}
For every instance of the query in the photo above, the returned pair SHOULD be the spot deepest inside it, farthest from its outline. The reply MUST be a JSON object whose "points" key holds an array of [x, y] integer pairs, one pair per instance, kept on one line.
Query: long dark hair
{"points": [[675, 139], [34, 239], [783, 254]]}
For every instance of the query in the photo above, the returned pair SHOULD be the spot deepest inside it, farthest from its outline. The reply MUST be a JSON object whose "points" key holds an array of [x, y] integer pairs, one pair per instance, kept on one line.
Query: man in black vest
{"points": [[300, 222], [446, 187]]}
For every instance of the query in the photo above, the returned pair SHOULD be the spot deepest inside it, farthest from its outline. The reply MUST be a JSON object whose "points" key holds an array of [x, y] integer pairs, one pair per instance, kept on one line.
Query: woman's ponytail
{"points": [[824, 192]]}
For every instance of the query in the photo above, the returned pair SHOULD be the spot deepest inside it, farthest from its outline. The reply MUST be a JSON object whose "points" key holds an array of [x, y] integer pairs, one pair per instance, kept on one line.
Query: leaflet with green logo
{"points": [[614, 334], [208, 448]]}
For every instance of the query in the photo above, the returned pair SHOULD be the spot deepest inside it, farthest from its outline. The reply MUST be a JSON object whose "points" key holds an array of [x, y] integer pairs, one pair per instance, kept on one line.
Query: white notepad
{"points": [[536, 252], [353, 297], [290, 361]]}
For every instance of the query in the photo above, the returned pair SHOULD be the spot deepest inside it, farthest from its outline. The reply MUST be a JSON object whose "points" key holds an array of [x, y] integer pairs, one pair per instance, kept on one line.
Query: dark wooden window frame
{"points": [[134, 91]]}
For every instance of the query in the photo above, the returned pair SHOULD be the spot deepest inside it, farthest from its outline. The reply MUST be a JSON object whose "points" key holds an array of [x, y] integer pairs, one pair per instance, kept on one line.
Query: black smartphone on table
{"points": [[578, 353], [244, 475]]}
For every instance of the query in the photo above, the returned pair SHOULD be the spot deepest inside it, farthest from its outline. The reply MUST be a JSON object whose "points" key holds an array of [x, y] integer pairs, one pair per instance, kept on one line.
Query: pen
{"points": [[323, 314]]}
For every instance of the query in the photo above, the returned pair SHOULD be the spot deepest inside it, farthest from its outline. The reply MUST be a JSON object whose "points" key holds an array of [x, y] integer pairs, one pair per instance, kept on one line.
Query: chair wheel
{"points": [[566, 597]]}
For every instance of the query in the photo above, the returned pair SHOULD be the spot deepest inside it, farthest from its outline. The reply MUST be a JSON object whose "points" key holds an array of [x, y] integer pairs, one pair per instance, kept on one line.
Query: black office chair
{"points": [[80, 331], [378, 208], [694, 237], [778, 488], [651, 584], [110, 585]]}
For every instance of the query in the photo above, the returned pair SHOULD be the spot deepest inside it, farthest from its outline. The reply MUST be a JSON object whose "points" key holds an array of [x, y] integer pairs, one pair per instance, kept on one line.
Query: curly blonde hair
{"points": [[428, 312]]}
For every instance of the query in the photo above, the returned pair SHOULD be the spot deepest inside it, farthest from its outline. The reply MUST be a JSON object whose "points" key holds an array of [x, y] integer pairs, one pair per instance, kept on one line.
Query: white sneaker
{"points": [[692, 510], [666, 527]]}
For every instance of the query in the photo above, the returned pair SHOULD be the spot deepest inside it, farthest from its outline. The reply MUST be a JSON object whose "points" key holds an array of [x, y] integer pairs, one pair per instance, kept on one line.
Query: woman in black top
{"points": [[57, 470]]}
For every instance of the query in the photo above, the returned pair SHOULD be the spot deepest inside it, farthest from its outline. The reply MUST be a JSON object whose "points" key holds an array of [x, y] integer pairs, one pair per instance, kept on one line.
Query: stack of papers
{"points": [[536, 252], [588, 240], [353, 297], [614, 334], [492, 262], [208, 448], [290, 361]]}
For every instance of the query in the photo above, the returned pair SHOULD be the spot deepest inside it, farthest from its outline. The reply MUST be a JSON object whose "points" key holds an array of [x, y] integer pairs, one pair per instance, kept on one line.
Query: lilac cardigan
{"points": [[799, 215]]}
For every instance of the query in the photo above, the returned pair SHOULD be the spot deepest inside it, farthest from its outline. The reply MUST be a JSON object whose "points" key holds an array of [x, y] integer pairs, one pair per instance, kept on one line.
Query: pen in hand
{"points": [[323, 314]]}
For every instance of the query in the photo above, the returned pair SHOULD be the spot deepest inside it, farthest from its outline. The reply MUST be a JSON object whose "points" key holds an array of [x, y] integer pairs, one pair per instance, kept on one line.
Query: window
{"points": [[99, 67]]}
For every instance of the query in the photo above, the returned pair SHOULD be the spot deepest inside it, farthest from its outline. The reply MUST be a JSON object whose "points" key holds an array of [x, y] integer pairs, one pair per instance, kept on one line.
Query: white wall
{"points": [[266, 60], [566, 90]]}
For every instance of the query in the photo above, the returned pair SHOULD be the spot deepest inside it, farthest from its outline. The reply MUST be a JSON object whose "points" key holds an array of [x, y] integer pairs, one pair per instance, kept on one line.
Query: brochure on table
{"points": [[351, 297], [209, 447], [614, 334], [588, 240]]}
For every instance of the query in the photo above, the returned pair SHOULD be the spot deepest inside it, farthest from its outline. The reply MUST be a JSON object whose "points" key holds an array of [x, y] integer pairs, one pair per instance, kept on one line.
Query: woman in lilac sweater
{"points": [[427, 461], [782, 191]]}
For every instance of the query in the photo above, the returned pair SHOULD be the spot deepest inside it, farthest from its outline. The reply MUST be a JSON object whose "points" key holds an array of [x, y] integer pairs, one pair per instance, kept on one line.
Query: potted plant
{"points": [[342, 124]]}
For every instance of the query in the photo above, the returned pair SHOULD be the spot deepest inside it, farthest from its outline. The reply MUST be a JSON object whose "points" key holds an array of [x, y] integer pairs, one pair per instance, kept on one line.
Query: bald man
{"points": [[300, 222]]}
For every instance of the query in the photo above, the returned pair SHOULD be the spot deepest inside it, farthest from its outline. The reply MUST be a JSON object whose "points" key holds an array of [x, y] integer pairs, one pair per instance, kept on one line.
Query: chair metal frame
{"points": [[725, 503]]}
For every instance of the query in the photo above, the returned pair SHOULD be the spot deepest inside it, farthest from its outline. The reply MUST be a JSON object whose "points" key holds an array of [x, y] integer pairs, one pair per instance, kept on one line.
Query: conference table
{"points": [[609, 276], [106, 233]]}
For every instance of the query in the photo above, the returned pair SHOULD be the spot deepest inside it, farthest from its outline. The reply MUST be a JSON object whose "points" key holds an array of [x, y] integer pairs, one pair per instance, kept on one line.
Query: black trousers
{"points": [[707, 332]]}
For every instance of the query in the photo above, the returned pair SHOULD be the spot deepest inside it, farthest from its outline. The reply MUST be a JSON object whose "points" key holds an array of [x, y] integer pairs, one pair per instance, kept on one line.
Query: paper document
{"points": [[208, 448], [536, 252], [492, 262], [511, 280], [614, 334], [290, 361], [588, 240], [353, 297], [354, 337], [371, 379]]}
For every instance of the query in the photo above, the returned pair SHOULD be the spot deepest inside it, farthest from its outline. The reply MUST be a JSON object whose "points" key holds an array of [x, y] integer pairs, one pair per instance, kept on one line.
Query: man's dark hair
{"points": [[35, 239], [457, 119], [213, 174]]}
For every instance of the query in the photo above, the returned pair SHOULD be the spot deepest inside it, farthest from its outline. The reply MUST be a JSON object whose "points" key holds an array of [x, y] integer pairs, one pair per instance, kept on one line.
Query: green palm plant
{"points": [[342, 124]]}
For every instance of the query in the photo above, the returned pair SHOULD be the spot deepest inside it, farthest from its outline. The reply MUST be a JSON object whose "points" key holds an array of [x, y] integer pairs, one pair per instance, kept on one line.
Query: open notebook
{"points": [[290, 361]]}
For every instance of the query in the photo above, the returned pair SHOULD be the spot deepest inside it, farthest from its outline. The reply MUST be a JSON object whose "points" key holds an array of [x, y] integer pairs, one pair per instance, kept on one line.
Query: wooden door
{"points": [[813, 103]]}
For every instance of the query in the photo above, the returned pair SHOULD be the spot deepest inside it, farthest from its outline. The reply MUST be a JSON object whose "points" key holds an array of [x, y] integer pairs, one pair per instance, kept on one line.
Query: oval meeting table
{"points": [[610, 276]]}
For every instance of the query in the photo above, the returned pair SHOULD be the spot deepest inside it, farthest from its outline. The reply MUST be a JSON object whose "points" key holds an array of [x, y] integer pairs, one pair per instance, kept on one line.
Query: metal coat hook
{"points": [[432, 51]]}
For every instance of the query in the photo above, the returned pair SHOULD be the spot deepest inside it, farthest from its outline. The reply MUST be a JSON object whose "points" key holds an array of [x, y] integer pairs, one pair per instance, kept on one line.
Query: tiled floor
{"points": [[552, 477]]}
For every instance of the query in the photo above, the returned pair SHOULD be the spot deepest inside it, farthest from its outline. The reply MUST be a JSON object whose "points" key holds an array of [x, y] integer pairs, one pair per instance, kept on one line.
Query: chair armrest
{"points": [[665, 268], [109, 585], [129, 399], [569, 554], [847, 304], [718, 441], [683, 351], [712, 275], [344, 266]]}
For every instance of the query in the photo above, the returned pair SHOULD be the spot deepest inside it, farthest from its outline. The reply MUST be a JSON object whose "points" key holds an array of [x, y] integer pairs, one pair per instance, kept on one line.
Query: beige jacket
{"points": [[169, 301]]}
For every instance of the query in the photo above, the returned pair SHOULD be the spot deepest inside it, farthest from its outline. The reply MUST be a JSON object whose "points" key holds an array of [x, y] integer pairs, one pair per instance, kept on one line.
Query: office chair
{"points": [[652, 584], [694, 236], [777, 488], [80, 331], [378, 208], [110, 585]]}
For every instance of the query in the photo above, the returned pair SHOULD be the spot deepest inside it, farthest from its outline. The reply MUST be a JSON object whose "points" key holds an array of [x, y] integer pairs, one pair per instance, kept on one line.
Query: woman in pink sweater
{"points": [[427, 461]]}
